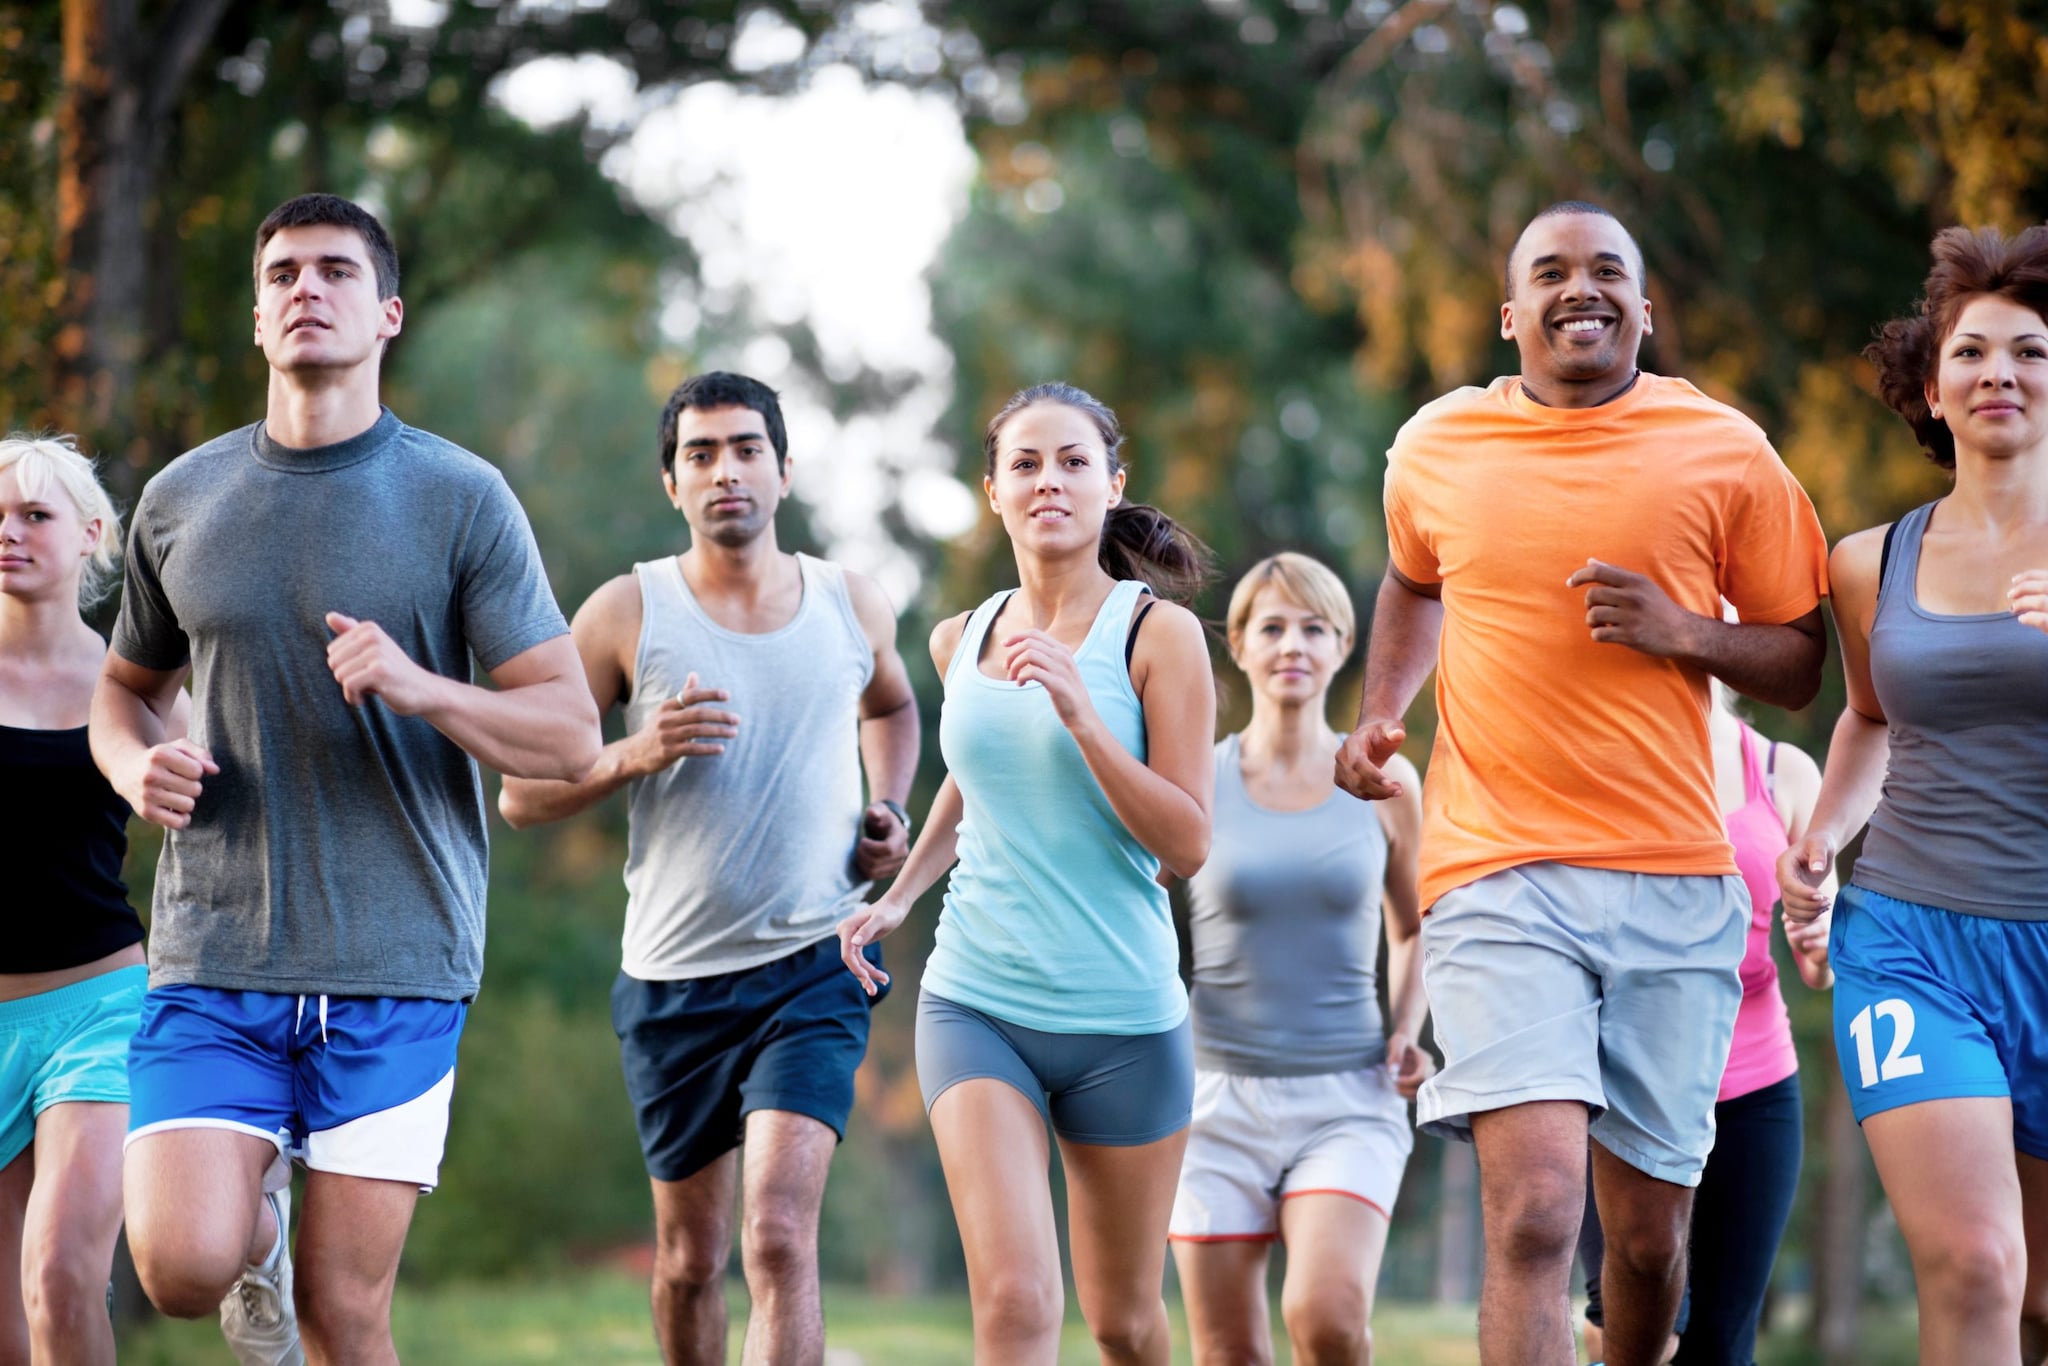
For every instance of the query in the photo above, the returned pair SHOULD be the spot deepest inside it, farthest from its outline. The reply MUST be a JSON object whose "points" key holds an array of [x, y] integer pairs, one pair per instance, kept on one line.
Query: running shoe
{"points": [[257, 1317]]}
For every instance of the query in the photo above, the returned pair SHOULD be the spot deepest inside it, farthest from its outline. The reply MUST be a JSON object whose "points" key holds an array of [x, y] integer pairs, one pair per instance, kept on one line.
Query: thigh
{"points": [[74, 1210], [804, 1064], [993, 1149], [16, 1178], [2033, 1177], [1514, 999], [1118, 1202], [784, 1162], [190, 1194], [695, 1213], [374, 1077], [212, 1060], [1633, 1204], [1333, 1243], [684, 1048], [1670, 992], [1355, 1139], [957, 1043], [1973, 1190], [1223, 1285], [350, 1236], [1739, 1216]]}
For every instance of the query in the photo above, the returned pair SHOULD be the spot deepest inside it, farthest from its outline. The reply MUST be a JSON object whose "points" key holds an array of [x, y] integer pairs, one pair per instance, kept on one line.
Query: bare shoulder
{"points": [[616, 602], [946, 639], [1856, 561], [1169, 627], [606, 630]]}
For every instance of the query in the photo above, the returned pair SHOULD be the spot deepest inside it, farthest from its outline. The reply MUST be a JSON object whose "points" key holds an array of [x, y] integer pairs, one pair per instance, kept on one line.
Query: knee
{"points": [[688, 1266], [1976, 1272], [1018, 1308], [1648, 1249], [344, 1321], [1536, 1220], [1127, 1333], [185, 1282], [61, 1294], [779, 1244], [1328, 1325]]}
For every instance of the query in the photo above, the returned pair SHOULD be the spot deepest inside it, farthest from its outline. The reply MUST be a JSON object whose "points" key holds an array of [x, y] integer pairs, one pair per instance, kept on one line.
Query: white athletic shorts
{"points": [[1256, 1141]]}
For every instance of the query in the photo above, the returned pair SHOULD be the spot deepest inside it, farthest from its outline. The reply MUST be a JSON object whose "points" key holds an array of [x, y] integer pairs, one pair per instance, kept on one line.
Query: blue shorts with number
{"points": [[1932, 1004]]}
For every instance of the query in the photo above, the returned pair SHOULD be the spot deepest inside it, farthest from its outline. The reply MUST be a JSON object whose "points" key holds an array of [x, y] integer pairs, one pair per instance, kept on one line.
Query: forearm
{"points": [[542, 730], [888, 752], [937, 847], [1858, 757], [1402, 652], [124, 725], [536, 801], [1778, 665], [1406, 1000], [1160, 814]]}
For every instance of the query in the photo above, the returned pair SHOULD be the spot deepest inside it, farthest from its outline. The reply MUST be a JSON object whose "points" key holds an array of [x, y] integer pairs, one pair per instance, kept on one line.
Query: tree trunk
{"points": [[1457, 1219], [1839, 1230]]}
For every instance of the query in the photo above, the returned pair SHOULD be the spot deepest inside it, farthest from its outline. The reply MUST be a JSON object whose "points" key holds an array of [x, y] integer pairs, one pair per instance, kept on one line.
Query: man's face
{"points": [[724, 479], [1578, 314], [316, 302]]}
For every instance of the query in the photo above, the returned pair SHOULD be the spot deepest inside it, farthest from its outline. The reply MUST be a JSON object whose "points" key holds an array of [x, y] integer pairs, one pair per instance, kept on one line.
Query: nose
{"points": [[1999, 373]]}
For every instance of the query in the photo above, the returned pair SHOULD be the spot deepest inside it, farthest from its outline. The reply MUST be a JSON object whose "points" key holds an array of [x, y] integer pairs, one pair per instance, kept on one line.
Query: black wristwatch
{"points": [[896, 809]]}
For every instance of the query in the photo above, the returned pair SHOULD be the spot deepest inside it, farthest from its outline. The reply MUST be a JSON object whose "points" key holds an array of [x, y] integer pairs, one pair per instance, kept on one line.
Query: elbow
{"points": [[1186, 862], [514, 811]]}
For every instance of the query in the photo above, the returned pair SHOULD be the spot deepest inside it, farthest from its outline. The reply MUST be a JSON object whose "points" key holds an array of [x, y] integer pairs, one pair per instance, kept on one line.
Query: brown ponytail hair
{"points": [[1967, 264], [1138, 540]]}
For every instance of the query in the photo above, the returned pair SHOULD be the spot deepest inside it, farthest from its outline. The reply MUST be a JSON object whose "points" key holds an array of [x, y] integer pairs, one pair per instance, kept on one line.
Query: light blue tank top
{"points": [[1054, 918]]}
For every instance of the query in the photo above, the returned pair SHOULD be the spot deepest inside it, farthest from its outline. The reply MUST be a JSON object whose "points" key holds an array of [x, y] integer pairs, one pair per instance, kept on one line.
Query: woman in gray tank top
{"points": [[1940, 941], [1301, 1127]]}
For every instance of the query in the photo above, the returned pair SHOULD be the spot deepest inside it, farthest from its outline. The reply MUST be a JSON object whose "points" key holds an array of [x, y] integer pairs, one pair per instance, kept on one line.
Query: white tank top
{"points": [[741, 858]]}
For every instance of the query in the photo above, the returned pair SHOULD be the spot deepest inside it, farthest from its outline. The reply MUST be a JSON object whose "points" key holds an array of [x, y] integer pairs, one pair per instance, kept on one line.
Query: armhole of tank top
{"points": [[1147, 603], [642, 580], [1884, 556], [968, 651], [830, 579]]}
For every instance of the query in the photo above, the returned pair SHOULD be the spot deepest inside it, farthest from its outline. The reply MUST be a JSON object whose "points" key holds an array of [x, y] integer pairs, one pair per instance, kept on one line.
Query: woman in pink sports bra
{"points": [[1767, 792]]}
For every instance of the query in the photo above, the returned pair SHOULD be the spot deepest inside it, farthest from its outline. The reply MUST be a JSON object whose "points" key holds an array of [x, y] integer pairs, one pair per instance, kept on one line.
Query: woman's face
{"points": [[1052, 484], [1288, 652], [1991, 379], [44, 543]]}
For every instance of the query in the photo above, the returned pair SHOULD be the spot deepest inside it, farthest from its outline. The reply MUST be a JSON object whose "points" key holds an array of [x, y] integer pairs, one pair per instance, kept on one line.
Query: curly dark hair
{"points": [[1968, 263]]}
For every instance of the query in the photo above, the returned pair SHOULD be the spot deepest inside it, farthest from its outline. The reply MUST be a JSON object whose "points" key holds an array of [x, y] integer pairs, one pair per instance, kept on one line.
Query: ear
{"points": [[668, 486], [1932, 391], [256, 321], [92, 537], [394, 317], [1507, 321], [1116, 486], [988, 488], [788, 465], [1647, 328]]}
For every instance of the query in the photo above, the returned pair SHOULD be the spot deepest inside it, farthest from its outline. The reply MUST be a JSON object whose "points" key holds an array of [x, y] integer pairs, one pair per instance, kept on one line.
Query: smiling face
{"points": [[44, 541], [1052, 482], [1576, 312], [317, 308], [1991, 379], [1289, 652], [724, 478]]}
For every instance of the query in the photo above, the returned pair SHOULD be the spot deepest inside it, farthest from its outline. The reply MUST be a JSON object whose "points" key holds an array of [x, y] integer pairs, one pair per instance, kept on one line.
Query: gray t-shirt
{"points": [[339, 849], [1285, 921]]}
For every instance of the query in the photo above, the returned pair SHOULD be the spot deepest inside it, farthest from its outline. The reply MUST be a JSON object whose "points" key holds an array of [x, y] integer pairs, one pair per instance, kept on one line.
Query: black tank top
{"points": [[66, 903]]}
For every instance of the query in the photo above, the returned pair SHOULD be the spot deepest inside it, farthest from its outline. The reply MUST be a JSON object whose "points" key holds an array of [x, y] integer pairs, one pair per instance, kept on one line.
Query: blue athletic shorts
{"points": [[357, 1085], [703, 1053], [1932, 1004], [70, 1044], [1117, 1090]]}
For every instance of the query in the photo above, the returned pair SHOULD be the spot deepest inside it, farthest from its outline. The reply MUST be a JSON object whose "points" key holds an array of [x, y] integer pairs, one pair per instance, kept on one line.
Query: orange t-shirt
{"points": [[1551, 746]]}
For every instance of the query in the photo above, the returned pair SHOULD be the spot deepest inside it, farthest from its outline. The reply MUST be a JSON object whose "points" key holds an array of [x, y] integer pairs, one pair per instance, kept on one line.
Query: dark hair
{"points": [[1138, 540], [1967, 264], [723, 389], [1558, 210], [332, 211]]}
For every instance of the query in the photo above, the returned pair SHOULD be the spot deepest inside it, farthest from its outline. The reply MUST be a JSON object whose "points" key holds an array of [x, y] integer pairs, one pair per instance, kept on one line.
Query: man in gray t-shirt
{"points": [[757, 685], [325, 577]]}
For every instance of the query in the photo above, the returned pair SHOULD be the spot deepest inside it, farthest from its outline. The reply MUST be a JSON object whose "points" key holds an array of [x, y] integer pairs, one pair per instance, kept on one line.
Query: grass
{"points": [[600, 1318]]}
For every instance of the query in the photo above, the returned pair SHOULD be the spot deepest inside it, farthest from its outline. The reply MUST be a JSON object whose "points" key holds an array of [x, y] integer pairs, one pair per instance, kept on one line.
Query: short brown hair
{"points": [[1968, 264], [332, 211]]}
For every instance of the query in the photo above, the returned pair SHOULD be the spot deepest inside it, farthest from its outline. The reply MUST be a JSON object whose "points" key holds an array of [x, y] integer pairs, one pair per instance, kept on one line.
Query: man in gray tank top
{"points": [[756, 686]]}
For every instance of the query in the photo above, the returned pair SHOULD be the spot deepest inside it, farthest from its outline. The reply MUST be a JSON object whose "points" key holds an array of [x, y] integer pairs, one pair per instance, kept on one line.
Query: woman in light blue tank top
{"points": [[1940, 942], [1301, 1127], [1077, 750]]}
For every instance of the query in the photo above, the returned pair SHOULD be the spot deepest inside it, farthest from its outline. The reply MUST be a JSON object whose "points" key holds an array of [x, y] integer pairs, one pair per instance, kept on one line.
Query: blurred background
{"points": [[1264, 230]]}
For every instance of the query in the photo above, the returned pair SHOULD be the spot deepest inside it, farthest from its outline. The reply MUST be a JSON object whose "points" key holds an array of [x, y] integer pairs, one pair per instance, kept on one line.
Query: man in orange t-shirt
{"points": [[1568, 534]]}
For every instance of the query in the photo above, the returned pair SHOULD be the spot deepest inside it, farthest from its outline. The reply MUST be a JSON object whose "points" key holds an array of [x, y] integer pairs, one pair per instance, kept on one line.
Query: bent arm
{"points": [[1795, 791], [133, 710], [1164, 799], [1860, 751], [610, 615], [890, 731], [538, 721], [1407, 624], [937, 847], [1401, 817], [1779, 665]]}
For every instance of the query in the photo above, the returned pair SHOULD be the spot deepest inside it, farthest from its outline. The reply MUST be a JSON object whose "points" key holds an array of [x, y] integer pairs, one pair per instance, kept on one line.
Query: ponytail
{"points": [[1138, 541], [1141, 542]]}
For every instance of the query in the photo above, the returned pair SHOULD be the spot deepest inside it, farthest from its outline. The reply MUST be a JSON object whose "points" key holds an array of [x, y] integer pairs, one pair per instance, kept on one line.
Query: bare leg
{"points": [[1118, 1203], [2033, 1173], [74, 1216], [16, 1179], [1334, 1246], [1223, 1284], [1948, 1169], [992, 1145], [1642, 1275], [1532, 1192], [783, 1180], [692, 1244], [350, 1238], [196, 1214]]}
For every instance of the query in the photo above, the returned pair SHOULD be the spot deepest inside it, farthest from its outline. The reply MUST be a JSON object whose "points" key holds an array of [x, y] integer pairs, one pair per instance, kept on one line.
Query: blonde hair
{"points": [[41, 461], [1308, 583]]}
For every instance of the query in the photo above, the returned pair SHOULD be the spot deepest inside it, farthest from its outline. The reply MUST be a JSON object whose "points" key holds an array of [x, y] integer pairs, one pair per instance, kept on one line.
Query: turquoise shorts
{"points": [[70, 1044]]}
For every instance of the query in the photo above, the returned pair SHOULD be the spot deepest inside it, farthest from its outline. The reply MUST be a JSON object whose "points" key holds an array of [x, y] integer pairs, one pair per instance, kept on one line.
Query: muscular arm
{"points": [[137, 734], [890, 733], [603, 631], [1407, 623]]}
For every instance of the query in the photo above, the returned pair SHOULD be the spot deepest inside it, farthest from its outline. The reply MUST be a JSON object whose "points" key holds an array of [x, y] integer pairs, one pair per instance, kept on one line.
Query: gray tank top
{"points": [[740, 858], [1964, 820], [1285, 918]]}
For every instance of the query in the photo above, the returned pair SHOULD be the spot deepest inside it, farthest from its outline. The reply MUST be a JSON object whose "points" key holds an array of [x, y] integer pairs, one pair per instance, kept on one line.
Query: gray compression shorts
{"points": [[1118, 1090]]}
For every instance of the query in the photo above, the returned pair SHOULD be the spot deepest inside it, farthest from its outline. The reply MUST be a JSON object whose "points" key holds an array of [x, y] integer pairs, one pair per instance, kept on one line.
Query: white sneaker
{"points": [[257, 1317]]}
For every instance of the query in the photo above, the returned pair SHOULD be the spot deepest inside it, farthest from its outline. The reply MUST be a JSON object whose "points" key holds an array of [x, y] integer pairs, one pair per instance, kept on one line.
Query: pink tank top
{"points": [[1762, 1054]]}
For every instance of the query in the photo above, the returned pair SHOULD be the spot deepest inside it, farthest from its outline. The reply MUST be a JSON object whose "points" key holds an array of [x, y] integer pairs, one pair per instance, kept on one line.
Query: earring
{"points": [[1935, 413]]}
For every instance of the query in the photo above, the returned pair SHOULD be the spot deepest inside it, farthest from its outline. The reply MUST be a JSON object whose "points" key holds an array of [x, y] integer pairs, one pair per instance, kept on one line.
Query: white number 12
{"points": [[1898, 1062]]}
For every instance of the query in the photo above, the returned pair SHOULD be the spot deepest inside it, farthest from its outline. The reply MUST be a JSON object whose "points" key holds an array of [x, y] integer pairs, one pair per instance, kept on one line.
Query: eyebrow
{"points": [[1979, 336], [1554, 259], [282, 262], [1033, 450], [737, 440]]}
